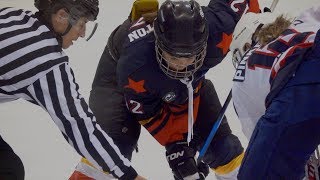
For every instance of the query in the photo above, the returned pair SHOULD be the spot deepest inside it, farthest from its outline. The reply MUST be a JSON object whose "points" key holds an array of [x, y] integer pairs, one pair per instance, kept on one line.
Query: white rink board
{"points": [[34, 137]]}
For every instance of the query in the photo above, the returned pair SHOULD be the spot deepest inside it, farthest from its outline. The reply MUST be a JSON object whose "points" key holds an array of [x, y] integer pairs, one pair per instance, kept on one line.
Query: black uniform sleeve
{"points": [[222, 17], [57, 93], [106, 71]]}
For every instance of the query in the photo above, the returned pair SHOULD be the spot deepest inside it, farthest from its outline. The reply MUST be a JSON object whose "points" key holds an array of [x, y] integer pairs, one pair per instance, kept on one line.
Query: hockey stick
{"points": [[273, 5], [215, 127]]}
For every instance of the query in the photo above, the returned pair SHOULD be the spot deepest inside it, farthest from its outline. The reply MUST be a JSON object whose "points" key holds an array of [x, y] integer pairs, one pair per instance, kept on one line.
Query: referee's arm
{"points": [[57, 93]]}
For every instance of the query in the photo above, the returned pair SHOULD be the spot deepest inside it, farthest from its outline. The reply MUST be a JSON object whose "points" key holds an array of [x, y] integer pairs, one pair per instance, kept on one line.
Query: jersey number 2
{"points": [[135, 107]]}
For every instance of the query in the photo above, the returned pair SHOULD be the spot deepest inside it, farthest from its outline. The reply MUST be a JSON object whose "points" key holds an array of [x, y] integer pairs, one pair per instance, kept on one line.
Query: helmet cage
{"points": [[180, 30], [186, 72], [237, 53], [236, 57], [246, 32]]}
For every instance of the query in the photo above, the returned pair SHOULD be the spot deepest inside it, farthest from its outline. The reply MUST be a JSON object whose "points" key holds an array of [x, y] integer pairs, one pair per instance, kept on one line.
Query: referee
{"points": [[34, 67]]}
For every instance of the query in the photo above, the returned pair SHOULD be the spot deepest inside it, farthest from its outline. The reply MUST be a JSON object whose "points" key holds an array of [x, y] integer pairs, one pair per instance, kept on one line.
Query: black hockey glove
{"points": [[181, 160]]}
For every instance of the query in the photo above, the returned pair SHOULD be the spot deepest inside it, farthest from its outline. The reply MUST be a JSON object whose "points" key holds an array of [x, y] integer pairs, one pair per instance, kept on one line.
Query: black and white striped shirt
{"points": [[34, 67]]}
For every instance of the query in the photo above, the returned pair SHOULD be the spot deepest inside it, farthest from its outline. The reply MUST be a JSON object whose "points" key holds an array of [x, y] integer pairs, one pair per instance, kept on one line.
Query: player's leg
{"points": [[11, 166], [225, 152]]}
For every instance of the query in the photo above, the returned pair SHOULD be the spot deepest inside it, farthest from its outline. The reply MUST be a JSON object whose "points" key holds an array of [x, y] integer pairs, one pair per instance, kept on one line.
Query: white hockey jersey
{"points": [[251, 80]]}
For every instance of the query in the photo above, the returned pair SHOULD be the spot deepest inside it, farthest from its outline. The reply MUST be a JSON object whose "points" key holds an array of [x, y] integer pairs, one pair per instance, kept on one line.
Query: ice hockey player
{"points": [[162, 73], [34, 67], [275, 92], [105, 93]]}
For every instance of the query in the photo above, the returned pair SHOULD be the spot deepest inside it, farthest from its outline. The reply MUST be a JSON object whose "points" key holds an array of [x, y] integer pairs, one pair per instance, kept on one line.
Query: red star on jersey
{"points": [[225, 43], [254, 6], [136, 86]]}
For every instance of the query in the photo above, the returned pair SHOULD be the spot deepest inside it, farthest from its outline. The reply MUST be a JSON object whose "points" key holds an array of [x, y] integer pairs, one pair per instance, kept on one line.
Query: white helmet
{"points": [[244, 31]]}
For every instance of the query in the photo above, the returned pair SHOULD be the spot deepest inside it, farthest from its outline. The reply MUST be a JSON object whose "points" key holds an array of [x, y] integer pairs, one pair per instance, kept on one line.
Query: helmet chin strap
{"points": [[67, 30]]}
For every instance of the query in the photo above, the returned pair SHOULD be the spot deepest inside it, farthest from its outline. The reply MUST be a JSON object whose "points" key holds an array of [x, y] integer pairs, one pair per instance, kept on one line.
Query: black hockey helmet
{"points": [[76, 8], [181, 30]]}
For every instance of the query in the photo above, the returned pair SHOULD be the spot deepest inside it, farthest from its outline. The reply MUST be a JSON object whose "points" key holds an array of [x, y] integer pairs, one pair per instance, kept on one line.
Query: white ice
{"points": [[39, 143]]}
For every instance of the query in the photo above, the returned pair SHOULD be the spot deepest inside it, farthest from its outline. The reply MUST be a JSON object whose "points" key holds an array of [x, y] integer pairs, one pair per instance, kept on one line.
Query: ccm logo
{"points": [[175, 155]]}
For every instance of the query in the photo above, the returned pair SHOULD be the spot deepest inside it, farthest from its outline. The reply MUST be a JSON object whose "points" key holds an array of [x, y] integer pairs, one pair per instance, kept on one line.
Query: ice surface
{"points": [[32, 134]]}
